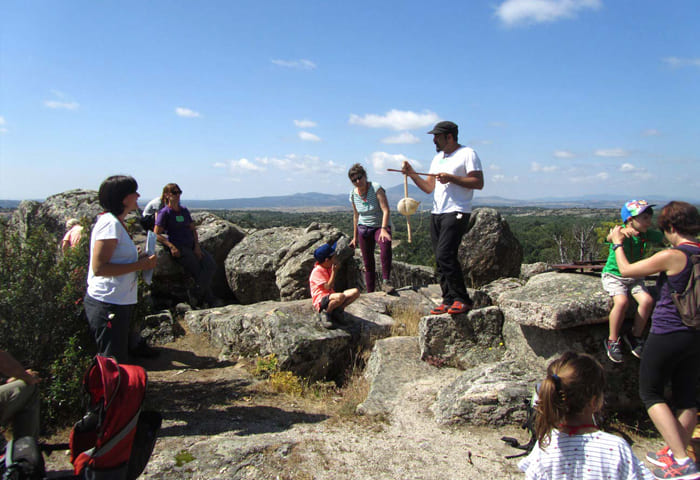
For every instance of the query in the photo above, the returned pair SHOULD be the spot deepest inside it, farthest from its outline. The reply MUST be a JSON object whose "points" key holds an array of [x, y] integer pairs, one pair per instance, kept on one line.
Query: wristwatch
{"points": [[615, 246]]}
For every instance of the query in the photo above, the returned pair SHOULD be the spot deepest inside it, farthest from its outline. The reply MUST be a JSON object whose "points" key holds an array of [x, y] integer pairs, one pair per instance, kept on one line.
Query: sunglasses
{"points": [[356, 178], [176, 192]]}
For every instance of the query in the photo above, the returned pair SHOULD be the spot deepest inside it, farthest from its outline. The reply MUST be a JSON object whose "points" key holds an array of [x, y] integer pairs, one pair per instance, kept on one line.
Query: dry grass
{"points": [[406, 319]]}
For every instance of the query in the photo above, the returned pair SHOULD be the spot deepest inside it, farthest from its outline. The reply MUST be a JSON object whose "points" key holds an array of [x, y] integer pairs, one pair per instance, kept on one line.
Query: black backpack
{"points": [[23, 460], [688, 301]]}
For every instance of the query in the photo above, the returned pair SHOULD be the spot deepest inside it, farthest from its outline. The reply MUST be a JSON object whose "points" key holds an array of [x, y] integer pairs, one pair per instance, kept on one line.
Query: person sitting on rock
{"points": [[19, 398], [73, 234], [183, 243], [329, 303], [148, 216], [636, 216]]}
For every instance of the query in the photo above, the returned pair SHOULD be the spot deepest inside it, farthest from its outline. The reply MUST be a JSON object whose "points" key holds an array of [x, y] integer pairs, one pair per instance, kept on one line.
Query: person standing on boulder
{"points": [[371, 221], [455, 173]]}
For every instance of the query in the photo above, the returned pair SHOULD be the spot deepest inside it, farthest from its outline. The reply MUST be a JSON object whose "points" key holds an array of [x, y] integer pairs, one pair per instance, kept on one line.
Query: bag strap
{"points": [[95, 452]]}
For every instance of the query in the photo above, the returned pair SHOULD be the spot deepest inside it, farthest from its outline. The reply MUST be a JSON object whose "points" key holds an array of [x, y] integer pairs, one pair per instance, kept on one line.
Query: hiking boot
{"points": [[613, 350], [688, 471], [459, 307], [338, 316], [635, 344], [660, 458], [387, 287], [324, 319], [439, 310]]}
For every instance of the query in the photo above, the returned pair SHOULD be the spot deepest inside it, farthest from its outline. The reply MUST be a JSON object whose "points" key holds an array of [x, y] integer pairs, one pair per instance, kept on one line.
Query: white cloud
{"points": [[515, 12], [651, 132], [301, 64], [186, 112], [480, 142], [598, 177], [235, 166], [494, 167], [2, 120], [499, 178], [309, 137], [3, 130], [564, 154], [55, 104], [676, 62], [383, 160], [403, 137], [611, 152], [536, 167], [296, 164], [2, 123], [396, 120], [305, 123], [219, 165], [638, 173]]}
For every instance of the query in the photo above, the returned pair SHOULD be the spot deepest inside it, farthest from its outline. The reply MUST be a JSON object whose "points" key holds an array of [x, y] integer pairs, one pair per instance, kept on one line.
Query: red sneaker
{"points": [[459, 307], [439, 310]]}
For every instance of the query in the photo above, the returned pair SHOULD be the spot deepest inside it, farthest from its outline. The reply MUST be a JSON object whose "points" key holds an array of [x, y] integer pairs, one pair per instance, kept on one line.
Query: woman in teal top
{"points": [[371, 225]]}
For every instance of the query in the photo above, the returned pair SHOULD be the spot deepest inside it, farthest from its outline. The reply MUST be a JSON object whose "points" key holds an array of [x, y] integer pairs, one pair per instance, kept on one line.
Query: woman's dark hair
{"points": [[356, 169], [114, 190], [682, 216], [169, 188], [573, 380]]}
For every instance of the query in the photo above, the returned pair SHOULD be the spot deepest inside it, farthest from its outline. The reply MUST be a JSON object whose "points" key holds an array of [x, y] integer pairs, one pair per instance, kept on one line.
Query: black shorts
{"points": [[324, 302], [670, 357]]}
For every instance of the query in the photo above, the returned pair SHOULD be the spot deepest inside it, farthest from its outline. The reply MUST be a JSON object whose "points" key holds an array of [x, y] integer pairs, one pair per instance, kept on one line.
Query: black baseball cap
{"points": [[444, 127]]}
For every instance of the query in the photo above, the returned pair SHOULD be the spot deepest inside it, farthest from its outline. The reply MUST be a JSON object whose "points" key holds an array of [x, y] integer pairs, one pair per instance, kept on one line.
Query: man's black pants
{"points": [[446, 232]]}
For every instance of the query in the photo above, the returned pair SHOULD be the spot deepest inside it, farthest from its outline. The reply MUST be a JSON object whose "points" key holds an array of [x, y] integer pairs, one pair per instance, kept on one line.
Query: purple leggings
{"points": [[367, 238]]}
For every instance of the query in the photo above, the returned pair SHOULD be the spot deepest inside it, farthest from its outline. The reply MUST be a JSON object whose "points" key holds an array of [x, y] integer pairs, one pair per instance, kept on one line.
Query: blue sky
{"points": [[244, 99]]}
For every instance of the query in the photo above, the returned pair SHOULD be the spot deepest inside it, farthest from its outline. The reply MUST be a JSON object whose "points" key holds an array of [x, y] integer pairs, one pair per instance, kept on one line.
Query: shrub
{"points": [[41, 313]]}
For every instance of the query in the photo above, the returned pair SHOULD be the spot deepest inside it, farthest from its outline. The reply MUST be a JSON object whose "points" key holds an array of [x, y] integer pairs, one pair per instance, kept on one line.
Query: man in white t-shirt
{"points": [[455, 173]]}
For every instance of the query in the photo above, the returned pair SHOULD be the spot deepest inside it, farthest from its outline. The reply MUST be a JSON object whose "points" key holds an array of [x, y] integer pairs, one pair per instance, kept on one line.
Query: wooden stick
{"points": [[405, 195], [419, 173]]}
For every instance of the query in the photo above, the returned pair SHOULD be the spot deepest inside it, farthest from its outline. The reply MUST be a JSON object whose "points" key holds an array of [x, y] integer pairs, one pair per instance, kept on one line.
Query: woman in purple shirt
{"points": [[672, 351], [183, 242]]}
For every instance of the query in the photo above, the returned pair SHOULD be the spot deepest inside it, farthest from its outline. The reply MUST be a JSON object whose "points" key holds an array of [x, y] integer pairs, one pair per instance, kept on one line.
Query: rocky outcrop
{"points": [[556, 301], [275, 263], [393, 365], [529, 270], [218, 237], [489, 250], [55, 210], [490, 394], [462, 341]]}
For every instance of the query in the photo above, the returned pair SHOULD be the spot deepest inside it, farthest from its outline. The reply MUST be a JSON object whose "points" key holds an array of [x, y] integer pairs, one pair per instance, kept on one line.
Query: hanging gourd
{"points": [[407, 206]]}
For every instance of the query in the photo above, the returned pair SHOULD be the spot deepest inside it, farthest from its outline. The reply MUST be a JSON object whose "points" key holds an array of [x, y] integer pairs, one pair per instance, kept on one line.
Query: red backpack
{"points": [[101, 442]]}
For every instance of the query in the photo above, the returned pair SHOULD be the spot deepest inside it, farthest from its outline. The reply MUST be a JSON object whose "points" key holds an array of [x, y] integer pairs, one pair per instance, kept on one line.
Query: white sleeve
{"points": [[472, 163], [106, 229]]}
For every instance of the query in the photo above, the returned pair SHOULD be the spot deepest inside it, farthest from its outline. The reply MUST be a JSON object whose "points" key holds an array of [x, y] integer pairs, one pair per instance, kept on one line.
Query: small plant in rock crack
{"points": [[266, 366]]}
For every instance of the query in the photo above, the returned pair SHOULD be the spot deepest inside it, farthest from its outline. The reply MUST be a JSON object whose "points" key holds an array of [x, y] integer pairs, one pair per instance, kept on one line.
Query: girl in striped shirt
{"points": [[569, 444]]}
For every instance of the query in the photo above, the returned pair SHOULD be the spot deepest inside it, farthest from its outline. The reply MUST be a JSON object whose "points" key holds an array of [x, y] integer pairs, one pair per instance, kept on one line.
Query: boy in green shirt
{"points": [[636, 216]]}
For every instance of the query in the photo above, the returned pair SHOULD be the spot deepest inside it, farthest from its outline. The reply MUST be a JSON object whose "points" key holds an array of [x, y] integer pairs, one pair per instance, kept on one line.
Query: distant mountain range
{"points": [[323, 201]]}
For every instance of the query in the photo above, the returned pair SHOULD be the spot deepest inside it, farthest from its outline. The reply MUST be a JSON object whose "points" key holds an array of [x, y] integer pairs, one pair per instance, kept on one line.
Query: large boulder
{"points": [[462, 341], [292, 332], [490, 394], [55, 210], [556, 301], [275, 263], [489, 250], [393, 366], [218, 237]]}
